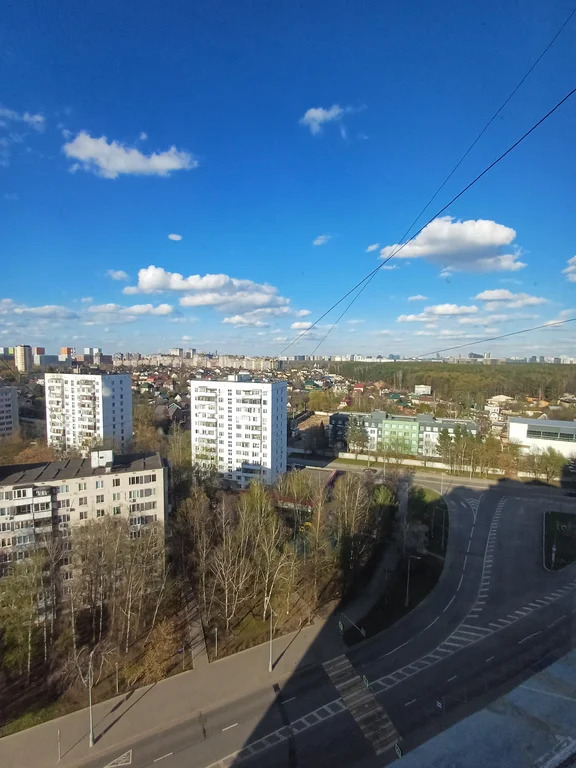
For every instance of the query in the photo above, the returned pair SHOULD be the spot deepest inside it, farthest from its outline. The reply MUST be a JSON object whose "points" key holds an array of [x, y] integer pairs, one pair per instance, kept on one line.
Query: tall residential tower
{"points": [[238, 426], [87, 410]]}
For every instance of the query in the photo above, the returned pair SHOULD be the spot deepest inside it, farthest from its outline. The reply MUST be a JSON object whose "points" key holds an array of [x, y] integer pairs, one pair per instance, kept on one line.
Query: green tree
{"points": [[358, 438]]}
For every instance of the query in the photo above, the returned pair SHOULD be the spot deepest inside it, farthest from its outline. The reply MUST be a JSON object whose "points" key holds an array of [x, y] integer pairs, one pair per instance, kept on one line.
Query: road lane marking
{"points": [[489, 659], [556, 622], [168, 754], [452, 678], [409, 702], [548, 693], [285, 701], [431, 624], [459, 583], [450, 603], [229, 726], [465, 561], [468, 550], [529, 636]]}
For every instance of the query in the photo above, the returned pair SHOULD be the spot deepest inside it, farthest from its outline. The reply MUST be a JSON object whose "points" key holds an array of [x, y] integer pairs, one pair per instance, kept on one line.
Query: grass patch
{"points": [[36, 716], [559, 539]]}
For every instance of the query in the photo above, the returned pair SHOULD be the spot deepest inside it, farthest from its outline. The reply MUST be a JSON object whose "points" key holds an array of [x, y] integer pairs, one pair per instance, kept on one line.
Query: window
{"points": [[63, 504], [100, 512], [82, 486], [83, 501], [116, 510], [116, 482], [83, 514], [100, 498], [99, 484], [63, 489], [116, 496]]}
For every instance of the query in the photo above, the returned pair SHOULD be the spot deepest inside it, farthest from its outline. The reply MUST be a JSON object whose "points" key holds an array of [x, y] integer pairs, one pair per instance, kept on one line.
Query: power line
{"points": [[368, 278], [500, 336]]}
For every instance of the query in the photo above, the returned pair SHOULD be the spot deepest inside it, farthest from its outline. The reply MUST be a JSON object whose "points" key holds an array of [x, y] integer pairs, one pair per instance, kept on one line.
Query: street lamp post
{"points": [[270, 665], [90, 681], [410, 558]]}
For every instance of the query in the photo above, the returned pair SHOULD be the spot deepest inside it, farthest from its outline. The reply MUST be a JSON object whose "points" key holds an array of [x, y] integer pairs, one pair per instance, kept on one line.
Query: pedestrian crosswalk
{"points": [[364, 707]]}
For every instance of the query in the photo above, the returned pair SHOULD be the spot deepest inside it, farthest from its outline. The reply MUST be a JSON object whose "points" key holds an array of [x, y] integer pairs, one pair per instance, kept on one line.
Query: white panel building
{"points": [[83, 410], [542, 434], [38, 502], [239, 427], [8, 411]]}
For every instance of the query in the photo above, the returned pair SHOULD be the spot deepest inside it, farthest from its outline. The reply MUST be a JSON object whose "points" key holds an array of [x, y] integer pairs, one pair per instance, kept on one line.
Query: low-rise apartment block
{"points": [[386, 431], [40, 501]]}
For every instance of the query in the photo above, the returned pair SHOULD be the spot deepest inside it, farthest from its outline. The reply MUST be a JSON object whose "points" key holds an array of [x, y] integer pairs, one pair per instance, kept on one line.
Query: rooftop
{"points": [[542, 423], [27, 474]]}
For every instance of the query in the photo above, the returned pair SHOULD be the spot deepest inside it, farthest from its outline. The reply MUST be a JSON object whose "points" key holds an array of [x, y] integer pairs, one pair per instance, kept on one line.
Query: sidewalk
{"points": [[120, 721]]}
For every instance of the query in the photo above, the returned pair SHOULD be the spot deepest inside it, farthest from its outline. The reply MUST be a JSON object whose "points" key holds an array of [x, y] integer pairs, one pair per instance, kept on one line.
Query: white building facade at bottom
{"points": [[39, 502], [83, 410], [238, 426]]}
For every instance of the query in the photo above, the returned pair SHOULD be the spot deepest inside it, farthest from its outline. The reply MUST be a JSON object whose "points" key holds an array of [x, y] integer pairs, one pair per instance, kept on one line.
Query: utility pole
{"points": [[90, 680], [270, 664], [443, 526]]}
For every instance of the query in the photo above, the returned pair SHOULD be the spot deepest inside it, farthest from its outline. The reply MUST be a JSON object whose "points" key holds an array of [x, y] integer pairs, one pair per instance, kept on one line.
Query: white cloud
{"points": [[35, 121], [420, 318], [451, 309], [502, 298], [86, 300], [117, 274], [175, 237], [417, 297], [12, 196], [354, 322], [119, 313], [431, 314], [373, 247], [321, 239], [383, 333], [220, 291], [110, 159], [246, 321], [302, 312], [48, 311], [143, 136], [389, 267], [300, 326], [570, 270], [473, 245], [315, 117]]}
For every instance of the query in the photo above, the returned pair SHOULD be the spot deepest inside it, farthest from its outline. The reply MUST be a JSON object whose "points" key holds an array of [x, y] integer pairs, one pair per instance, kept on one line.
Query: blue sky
{"points": [[279, 141]]}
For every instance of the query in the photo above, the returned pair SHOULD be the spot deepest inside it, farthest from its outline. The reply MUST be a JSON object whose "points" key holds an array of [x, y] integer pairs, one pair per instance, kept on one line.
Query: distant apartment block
{"points": [[23, 359], [541, 434], [39, 350], [176, 352], [238, 426], [386, 431], [8, 411], [85, 410], [40, 502]]}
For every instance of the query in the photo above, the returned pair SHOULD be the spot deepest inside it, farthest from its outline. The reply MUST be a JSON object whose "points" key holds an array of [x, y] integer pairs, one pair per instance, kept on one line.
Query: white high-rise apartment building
{"points": [[84, 410], [8, 411], [239, 427]]}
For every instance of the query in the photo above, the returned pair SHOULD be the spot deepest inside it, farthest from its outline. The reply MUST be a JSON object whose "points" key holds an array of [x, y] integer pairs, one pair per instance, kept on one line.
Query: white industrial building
{"points": [[542, 434], [8, 411], [422, 389], [238, 426], [40, 501], [86, 410]]}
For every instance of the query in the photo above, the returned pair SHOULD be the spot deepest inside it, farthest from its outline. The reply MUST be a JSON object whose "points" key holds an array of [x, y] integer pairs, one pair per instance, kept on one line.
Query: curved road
{"points": [[494, 618]]}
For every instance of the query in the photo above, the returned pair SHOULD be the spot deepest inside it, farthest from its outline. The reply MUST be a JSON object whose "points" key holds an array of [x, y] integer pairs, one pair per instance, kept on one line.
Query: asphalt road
{"points": [[495, 617]]}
